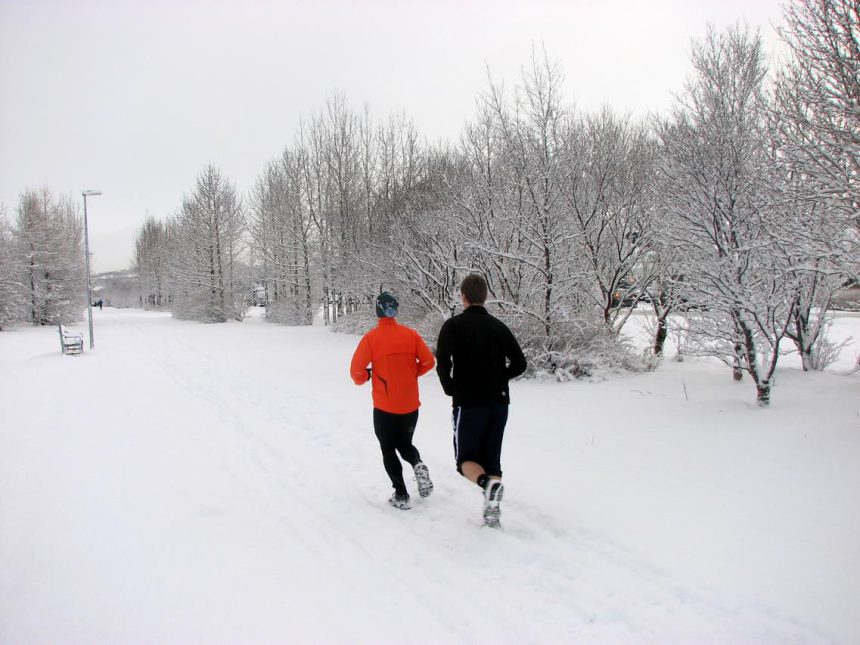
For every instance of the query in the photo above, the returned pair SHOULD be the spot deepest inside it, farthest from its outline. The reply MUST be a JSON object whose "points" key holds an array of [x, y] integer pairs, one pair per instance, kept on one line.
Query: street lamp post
{"points": [[88, 193]]}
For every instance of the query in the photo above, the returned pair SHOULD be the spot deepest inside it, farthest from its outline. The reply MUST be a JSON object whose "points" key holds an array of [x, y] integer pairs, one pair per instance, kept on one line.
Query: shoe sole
{"points": [[425, 486], [492, 513]]}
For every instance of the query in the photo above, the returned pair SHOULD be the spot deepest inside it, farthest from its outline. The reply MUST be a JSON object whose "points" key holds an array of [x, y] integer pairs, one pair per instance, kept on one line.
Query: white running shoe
{"points": [[493, 492], [422, 476]]}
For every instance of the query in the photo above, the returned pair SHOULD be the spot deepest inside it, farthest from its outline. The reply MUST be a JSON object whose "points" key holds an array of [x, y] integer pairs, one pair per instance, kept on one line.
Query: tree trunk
{"points": [[737, 369], [807, 358], [763, 393], [660, 337], [32, 293]]}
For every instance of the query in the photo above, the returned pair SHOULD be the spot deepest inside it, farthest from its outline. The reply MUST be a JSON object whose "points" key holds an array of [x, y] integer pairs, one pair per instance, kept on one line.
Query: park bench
{"points": [[71, 342]]}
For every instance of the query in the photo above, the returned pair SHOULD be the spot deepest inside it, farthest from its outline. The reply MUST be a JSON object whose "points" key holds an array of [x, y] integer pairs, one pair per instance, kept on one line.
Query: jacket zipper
{"points": [[384, 382]]}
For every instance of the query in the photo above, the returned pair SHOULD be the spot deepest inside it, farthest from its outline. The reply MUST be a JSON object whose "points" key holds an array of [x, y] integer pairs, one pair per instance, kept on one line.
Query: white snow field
{"points": [[190, 483]]}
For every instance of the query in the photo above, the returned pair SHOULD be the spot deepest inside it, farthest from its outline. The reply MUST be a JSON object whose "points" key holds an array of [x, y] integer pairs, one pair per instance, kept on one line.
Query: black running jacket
{"points": [[476, 356]]}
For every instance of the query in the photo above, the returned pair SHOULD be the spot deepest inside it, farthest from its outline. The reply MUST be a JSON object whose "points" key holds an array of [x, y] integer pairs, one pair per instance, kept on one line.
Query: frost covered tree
{"points": [[403, 231], [339, 128], [816, 125], [608, 194], [328, 218], [12, 302], [818, 95], [816, 252], [419, 255], [390, 207], [206, 245], [49, 237], [718, 209], [333, 173], [315, 186], [151, 263], [520, 237], [280, 229], [525, 164]]}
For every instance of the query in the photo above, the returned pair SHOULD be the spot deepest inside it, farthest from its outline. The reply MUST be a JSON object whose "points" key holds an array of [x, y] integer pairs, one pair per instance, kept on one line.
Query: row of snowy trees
{"points": [[192, 264], [758, 190], [42, 275], [739, 207], [323, 213]]}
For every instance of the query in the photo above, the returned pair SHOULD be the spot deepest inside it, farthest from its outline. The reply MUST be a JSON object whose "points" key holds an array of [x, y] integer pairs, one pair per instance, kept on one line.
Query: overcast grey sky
{"points": [[135, 98]]}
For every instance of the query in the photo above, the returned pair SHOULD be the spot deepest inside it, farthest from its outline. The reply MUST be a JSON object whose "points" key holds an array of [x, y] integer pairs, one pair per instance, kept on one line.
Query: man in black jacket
{"points": [[476, 356]]}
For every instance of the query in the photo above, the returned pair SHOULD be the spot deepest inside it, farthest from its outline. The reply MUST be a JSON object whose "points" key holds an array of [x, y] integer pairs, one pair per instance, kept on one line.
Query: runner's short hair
{"points": [[474, 287]]}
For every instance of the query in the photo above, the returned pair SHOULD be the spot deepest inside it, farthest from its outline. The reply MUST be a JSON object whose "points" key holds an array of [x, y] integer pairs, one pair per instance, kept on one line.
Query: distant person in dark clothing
{"points": [[476, 356]]}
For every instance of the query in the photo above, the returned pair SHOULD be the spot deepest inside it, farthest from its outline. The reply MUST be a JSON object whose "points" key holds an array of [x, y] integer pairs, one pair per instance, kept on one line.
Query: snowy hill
{"points": [[222, 483]]}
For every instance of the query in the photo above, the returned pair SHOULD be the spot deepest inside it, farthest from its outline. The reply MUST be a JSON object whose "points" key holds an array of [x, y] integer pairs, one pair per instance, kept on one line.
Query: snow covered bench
{"points": [[71, 342]]}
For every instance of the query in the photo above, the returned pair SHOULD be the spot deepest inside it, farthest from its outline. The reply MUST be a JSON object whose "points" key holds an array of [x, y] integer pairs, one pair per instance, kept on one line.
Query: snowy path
{"points": [[221, 483]]}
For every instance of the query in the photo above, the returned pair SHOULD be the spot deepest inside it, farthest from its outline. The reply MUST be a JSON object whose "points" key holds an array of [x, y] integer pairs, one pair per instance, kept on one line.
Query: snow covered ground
{"points": [[188, 483]]}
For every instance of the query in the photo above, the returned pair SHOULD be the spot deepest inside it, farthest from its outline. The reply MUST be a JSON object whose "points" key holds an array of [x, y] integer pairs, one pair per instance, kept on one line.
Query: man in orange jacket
{"points": [[397, 356]]}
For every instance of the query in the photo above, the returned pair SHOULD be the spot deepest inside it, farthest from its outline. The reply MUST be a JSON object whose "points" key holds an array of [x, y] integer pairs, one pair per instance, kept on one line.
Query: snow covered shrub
{"points": [[584, 349], [197, 306], [358, 322], [288, 312], [825, 352], [679, 332], [650, 360]]}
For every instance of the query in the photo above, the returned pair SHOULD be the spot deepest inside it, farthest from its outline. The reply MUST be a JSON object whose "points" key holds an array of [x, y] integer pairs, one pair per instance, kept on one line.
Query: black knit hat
{"points": [[386, 305]]}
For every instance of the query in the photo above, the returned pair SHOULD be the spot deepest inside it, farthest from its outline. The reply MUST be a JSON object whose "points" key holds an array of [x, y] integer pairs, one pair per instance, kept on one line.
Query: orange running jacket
{"points": [[397, 356]]}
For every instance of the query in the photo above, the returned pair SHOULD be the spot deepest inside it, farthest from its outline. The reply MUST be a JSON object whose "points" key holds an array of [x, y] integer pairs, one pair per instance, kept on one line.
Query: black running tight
{"points": [[394, 432]]}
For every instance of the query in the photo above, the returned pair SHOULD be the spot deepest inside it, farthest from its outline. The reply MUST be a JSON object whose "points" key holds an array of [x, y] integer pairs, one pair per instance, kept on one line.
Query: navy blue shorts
{"points": [[478, 434]]}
